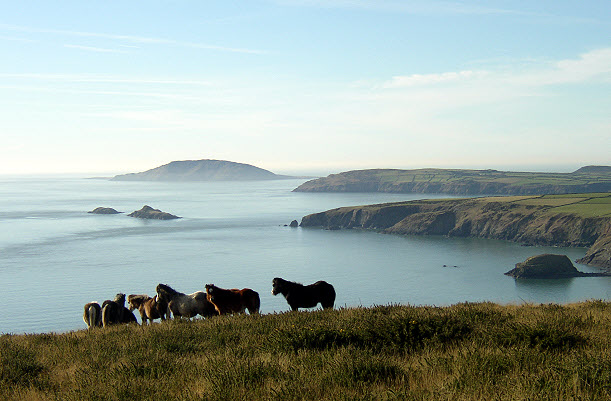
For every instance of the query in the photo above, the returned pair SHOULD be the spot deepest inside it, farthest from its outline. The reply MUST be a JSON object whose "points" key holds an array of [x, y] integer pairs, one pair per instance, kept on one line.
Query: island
{"points": [[549, 266], [464, 182], [104, 210], [579, 220], [148, 212], [202, 170]]}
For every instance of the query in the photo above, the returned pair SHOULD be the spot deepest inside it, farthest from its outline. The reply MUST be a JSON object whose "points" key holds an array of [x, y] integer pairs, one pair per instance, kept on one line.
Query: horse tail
{"points": [[94, 316], [329, 297], [107, 317], [255, 303]]}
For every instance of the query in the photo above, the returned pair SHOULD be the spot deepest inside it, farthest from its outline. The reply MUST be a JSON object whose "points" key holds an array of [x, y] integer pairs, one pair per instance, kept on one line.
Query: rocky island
{"points": [[104, 210], [202, 170], [581, 220], [548, 266], [148, 212], [464, 182]]}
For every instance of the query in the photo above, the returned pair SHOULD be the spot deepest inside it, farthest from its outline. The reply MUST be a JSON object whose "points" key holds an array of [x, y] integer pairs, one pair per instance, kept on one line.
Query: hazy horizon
{"points": [[304, 86]]}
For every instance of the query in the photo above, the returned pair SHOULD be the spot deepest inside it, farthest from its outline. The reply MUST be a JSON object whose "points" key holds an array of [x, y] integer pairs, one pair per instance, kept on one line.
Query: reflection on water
{"points": [[529, 290]]}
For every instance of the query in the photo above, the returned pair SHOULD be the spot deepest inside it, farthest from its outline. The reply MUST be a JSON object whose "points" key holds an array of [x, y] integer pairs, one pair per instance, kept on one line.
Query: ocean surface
{"points": [[55, 257]]}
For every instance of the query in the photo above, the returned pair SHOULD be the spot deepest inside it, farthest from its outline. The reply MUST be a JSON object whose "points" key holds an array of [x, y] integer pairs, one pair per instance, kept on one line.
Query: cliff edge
{"points": [[572, 220]]}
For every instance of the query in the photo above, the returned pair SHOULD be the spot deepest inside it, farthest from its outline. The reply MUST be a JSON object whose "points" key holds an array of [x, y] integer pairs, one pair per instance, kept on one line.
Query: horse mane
{"points": [[137, 299], [164, 288]]}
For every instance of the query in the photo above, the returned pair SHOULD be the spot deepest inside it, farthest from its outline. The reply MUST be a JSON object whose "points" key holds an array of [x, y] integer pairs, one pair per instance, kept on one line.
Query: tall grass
{"points": [[467, 351]]}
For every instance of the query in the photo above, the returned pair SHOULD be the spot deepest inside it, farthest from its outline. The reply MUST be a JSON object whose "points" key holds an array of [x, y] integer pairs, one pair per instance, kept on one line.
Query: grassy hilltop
{"points": [[478, 351], [464, 182]]}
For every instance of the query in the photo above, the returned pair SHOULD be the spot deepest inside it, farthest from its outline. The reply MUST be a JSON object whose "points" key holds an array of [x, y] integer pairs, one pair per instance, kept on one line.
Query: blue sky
{"points": [[304, 86]]}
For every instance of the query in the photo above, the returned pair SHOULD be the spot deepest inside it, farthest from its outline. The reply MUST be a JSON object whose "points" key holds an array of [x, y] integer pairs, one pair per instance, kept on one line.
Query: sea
{"points": [[55, 256]]}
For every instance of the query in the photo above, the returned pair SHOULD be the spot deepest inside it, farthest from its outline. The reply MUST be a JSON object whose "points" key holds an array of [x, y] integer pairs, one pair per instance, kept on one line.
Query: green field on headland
{"points": [[464, 182], [479, 351]]}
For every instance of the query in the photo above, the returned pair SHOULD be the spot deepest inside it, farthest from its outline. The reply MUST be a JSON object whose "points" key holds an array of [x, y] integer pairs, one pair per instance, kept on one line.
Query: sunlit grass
{"points": [[464, 352]]}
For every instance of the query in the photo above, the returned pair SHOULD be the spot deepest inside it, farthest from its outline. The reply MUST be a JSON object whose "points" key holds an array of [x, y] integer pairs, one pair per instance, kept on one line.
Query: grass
{"points": [[467, 351]]}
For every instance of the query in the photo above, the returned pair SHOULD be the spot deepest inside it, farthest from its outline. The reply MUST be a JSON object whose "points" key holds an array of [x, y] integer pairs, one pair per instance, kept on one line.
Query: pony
{"points": [[92, 315], [187, 305], [304, 296], [115, 312], [149, 308], [234, 300]]}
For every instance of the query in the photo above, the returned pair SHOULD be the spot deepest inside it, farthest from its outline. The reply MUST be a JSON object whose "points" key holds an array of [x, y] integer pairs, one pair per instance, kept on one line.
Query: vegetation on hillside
{"points": [[467, 351], [464, 182]]}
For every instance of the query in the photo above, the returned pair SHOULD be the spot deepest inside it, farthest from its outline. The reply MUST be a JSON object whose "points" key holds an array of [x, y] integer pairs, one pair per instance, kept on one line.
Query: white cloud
{"points": [[432, 79]]}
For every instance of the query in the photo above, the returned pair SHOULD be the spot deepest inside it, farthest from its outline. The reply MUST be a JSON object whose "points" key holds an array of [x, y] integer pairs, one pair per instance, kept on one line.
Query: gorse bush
{"points": [[461, 352]]}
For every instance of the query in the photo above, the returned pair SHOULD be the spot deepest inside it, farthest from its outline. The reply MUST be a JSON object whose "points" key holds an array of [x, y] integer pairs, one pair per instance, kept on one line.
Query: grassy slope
{"points": [[391, 178], [583, 205], [463, 352]]}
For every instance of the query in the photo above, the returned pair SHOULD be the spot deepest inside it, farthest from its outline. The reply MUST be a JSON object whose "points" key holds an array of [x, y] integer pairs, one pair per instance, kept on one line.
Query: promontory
{"points": [[202, 170], [464, 182], [580, 220]]}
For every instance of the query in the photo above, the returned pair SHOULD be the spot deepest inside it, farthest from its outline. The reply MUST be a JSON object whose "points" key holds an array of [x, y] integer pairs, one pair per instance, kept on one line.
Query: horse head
{"points": [[120, 299], [210, 291], [135, 301], [277, 285]]}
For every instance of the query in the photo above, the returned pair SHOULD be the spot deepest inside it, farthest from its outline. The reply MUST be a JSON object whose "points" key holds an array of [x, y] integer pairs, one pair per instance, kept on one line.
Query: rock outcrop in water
{"points": [[529, 220], [104, 210], [548, 266], [148, 212]]}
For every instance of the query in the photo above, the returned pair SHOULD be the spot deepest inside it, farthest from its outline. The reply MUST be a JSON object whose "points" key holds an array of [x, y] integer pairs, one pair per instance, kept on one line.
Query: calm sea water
{"points": [[55, 257]]}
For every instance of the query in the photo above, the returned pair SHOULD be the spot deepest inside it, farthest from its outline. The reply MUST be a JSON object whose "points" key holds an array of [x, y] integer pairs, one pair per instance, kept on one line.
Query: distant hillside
{"points": [[464, 182], [202, 170]]}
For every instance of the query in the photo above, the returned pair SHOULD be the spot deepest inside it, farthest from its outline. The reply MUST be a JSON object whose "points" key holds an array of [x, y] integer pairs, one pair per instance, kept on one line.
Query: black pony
{"points": [[115, 312], [304, 296]]}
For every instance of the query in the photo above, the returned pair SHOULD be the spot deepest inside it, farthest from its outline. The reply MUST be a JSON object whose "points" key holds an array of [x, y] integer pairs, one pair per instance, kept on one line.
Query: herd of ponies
{"points": [[215, 301]]}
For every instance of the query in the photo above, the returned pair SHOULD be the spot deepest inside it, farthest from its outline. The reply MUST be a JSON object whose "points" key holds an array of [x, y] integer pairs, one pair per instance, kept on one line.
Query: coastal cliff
{"points": [[580, 221], [463, 182]]}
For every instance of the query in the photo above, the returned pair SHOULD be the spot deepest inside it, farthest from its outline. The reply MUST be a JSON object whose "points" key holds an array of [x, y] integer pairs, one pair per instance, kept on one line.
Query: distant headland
{"points": [[464, 182], [203, 170]]}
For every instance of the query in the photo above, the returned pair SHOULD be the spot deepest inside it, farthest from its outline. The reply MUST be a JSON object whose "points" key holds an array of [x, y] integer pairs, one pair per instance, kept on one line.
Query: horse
{"points": [[304, 296], [149, 308], [92, 315], [115, 312], [234, 300], [187, 305]]}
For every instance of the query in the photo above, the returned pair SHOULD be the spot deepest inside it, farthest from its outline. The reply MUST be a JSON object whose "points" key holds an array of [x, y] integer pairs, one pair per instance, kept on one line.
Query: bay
{"points": [[55, 257]]}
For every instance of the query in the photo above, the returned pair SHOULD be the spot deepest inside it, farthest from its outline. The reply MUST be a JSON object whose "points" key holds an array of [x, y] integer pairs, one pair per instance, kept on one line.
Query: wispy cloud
{"points": [[432, 79], [131, 39], [409, 7], [86, 78], [433, 7], [595, 64], [94, 49]]}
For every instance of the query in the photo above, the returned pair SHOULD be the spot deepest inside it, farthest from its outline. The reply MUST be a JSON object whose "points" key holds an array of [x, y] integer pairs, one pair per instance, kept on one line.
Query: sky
{"points": [[304, 86]]}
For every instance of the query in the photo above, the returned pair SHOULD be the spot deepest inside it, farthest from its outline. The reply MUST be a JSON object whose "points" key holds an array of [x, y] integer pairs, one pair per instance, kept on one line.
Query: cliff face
{"points": [[478, 217]]}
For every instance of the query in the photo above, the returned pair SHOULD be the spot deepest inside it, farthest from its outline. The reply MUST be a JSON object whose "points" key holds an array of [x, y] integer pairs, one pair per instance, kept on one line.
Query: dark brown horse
{"points": [[304, 296], [185, 305], [149, 308], [92, 315], [115, 312], [234, 300]]}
